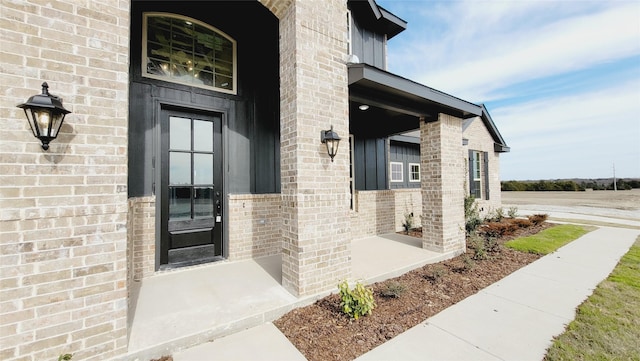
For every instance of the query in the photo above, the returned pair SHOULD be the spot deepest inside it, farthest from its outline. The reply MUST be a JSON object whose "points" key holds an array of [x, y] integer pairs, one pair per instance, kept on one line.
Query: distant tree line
{"points": [[568, 185]]}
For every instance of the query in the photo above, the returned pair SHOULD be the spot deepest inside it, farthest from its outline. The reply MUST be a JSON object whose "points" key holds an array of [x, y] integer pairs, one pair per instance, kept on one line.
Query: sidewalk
{"points": [[513, 319]]}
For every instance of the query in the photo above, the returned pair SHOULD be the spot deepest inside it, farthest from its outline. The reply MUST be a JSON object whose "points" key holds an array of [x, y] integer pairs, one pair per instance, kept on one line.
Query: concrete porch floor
{"points": [[181, 308]]}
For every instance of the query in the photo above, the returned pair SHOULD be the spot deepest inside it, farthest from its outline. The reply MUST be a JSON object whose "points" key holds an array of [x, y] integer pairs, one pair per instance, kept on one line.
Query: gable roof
{"points": [[499, 145], [376, 17]]}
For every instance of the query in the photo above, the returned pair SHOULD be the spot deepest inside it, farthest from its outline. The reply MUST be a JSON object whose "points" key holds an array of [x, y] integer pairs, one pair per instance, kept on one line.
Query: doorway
{"points": [[191, 187]]}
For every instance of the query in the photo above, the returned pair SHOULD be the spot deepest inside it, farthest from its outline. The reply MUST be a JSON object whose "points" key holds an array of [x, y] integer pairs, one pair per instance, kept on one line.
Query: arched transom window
{"points": [[183, 50]]}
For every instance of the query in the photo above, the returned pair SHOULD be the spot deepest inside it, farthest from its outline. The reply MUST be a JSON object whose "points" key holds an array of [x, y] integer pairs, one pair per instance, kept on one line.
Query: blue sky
{"points": [[561, 79]]}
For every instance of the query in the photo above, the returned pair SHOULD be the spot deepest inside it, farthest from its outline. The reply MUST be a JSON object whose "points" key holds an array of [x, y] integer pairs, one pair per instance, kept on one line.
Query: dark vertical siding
{"points": [[368, 46], [370, 163], [252, 134], [404, 153]]}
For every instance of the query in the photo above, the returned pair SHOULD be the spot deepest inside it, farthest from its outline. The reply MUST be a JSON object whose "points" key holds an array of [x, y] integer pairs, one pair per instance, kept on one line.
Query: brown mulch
{"points": [[322, 332]]}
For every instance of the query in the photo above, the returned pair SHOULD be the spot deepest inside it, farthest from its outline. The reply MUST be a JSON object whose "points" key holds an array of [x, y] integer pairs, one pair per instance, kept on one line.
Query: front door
{"points": [[191, 186]]}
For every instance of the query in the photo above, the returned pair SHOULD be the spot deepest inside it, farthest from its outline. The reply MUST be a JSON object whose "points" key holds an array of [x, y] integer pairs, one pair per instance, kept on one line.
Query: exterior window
{"points": [[183, 50], [396, 172], [476, 175], [479, 174], [414, 172]]}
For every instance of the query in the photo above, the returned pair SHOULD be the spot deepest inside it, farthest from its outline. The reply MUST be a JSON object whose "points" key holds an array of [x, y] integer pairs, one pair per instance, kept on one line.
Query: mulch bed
{"points": [[322, 332]]}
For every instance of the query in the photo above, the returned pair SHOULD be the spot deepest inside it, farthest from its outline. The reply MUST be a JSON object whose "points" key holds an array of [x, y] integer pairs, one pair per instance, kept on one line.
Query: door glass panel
{"points": [[179, 133], [203, 202], [179, 203], [203, 168], [179, 168], [202, 136]]}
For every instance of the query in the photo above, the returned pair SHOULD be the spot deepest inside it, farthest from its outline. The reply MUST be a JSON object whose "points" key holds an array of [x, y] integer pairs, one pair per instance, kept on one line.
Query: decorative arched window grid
{"points": [[183, 50]]}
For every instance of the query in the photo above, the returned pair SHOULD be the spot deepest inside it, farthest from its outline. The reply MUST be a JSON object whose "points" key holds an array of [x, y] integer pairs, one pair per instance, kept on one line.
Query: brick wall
{"points": [[142, 237], [315, 191], [63, 211], [442, 183], [481, 140], [255, 223], [372, 214]]}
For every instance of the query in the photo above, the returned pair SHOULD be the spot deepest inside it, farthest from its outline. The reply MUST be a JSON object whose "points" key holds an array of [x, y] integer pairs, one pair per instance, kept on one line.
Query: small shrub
{"points": [[393, 289], [437, 274], [471, 214], [492, 245], [521, 223], [499, 214], [407, 224], [357, 302], [538, 218], [467, 263], [476, 243], [65, 357], [497, 230], [512, 212]]}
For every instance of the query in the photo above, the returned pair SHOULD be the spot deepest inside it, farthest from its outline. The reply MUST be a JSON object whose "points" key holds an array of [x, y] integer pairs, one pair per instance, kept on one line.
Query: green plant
{"points": [[358, 301], [471, 214], [407, 224], [467, 263], [477, 244], [492, 245], [393, 289], [548, 240], [606, 324], [437, 273], [512, 212], [65, 357]]}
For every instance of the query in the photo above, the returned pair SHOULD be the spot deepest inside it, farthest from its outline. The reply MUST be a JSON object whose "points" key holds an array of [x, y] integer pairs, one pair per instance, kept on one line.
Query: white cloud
{"points": [[575, 135], [491, 45], [484, 51]]}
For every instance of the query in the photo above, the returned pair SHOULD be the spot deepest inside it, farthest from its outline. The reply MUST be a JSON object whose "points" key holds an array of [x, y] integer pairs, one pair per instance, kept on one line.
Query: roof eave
{"points": [[370, 77], [500, 145]]}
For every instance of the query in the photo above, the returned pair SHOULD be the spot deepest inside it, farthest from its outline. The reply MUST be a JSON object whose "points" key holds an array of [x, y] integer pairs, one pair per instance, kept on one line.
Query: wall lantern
{"points": [[331, 140], [45, 115]]}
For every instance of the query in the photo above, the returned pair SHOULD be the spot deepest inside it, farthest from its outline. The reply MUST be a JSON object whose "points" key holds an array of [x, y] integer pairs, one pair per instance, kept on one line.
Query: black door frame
{"points": [[224, 112]]}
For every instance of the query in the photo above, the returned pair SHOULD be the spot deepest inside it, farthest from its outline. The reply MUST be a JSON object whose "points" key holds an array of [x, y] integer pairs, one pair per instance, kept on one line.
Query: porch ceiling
{"points": [[396, 104]]}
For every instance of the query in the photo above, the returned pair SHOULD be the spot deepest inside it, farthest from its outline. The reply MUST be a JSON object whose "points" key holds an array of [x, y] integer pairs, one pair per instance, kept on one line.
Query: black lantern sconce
{"points": [[331, 140], [45, 115]]}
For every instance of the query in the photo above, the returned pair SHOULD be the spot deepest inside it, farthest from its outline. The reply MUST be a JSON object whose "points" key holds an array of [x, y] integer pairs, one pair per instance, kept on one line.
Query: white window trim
{"points": [[391, 164], [143, 64], [411, 173], [477, 174], [477, 166]]}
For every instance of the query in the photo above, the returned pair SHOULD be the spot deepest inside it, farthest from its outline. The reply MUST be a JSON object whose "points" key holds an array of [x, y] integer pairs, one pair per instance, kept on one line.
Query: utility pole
{"points": [[615, 186]]}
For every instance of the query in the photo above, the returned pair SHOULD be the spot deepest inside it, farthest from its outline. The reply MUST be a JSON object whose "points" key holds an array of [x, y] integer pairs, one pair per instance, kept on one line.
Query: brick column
{"points": [[442, 174], [63, 212], [315, 191]]}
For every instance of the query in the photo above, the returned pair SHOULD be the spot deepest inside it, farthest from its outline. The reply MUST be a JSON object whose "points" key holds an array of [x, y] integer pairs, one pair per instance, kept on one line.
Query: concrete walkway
{"points": [[181, 308], [513, 319]]}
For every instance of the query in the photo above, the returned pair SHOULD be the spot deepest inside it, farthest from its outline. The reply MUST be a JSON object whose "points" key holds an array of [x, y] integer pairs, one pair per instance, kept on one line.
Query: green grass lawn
{"points": [[607, 323], [550, 239]]}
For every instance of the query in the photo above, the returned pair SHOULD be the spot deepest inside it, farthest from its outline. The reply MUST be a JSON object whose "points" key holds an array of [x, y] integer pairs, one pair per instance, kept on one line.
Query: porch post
{"points": [[315, 191], [442, 175]]}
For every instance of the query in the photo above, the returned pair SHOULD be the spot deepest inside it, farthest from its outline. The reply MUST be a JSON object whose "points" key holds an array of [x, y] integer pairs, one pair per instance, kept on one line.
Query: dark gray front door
{"points": [[191, 186]]}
